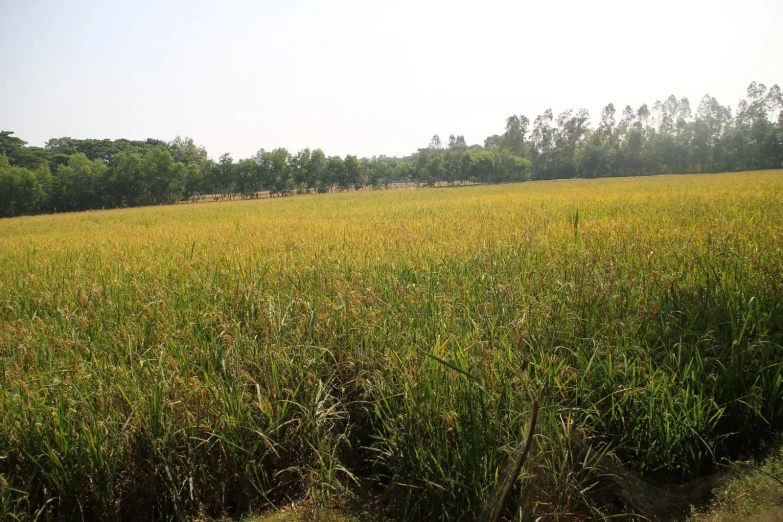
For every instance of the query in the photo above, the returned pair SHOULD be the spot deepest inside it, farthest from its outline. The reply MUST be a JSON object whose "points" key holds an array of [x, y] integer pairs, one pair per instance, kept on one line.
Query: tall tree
{"points": [[514, 139], [457, 142], [316, 169]]}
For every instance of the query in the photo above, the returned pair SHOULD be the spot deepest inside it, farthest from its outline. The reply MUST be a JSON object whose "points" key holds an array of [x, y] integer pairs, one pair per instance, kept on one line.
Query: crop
{"points": [[164, 362]]}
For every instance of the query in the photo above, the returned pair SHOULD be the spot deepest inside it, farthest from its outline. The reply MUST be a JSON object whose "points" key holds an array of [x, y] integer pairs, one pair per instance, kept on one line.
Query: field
{"points": [[384, 348]]}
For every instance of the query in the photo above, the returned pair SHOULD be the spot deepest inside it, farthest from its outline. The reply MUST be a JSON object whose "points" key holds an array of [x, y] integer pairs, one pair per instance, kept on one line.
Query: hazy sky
{"points": [[362, 77]]}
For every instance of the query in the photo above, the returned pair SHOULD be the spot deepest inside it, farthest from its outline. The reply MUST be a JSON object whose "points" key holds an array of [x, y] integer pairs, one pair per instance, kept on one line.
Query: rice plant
{"points": [[216, 359]]}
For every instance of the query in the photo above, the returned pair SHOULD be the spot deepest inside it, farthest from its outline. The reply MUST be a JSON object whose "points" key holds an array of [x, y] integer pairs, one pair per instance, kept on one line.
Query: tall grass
{"points": [[164, 362]]}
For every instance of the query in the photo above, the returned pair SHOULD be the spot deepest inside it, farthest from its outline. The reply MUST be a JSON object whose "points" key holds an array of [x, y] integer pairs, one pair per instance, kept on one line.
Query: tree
{"points": [[712, 120], [607, 120], [390, 171], [483, 167], [300, 165], [21, 190], [246, 177], [457, 142], [19, 155], [316, 169], [570, 130], [377, 172], [221, 177], [71, 183], [435, 170], [405, 171], [185, 150], [455, 165], [594, 160], [515, 135], [352, 174], [65, 146], [275, 171], [491, 142], [126, 180], [333, 174], [509, 167], [164, 179], [423, 164], [194, 181]]}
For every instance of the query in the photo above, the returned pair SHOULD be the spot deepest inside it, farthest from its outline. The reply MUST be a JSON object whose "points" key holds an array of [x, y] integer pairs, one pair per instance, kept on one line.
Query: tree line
{"points": [[72, 174]]}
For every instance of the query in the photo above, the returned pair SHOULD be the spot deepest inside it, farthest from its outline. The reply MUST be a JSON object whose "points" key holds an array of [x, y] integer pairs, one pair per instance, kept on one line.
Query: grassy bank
{"points": [[213, 359]]}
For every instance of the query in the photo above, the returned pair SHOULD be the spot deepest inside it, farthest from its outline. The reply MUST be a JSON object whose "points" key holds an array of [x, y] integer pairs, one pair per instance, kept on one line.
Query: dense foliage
{"points": [[70, 174]]}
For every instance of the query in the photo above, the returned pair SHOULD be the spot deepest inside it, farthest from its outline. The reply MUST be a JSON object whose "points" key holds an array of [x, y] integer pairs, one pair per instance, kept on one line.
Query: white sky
{"points": [[362, 77]]}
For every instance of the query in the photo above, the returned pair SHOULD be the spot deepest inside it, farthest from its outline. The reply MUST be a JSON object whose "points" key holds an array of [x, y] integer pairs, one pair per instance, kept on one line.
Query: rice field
{"points": [[385, 347]]}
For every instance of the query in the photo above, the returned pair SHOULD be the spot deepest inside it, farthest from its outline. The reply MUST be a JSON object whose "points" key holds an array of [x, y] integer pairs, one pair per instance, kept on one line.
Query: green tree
{"points": [[21, 190], [194, 180], [126, 180], [185, 150], [514, 139], [18, 154], [333, 174], [221, 176], [510, 167], [352, 174], [300, 166], [492, 141], [423, 164], [483, 167], [457, 142], [454, 165], [164, 179], [81, 184], [275, 168], [246, 184], [571, 128], [316, 169], [543, 138]]}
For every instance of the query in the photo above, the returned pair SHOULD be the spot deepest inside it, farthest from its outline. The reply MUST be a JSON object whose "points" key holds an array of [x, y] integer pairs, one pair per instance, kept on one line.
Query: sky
{"points": [[362, 77]]}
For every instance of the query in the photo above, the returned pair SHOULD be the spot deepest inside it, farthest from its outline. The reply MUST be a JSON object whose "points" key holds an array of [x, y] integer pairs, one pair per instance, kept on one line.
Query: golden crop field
{"points": [[219, 358]]}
